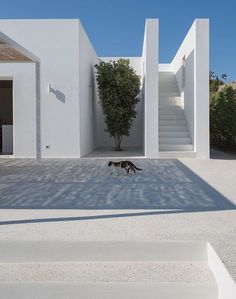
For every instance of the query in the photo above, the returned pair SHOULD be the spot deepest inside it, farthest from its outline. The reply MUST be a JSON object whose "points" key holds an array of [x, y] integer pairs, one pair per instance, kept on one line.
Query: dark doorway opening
{"points": [[6, 117]]}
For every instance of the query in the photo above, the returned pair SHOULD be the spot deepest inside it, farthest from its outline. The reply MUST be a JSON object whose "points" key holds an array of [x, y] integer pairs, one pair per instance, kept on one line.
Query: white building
{"points": [[48, 99]]}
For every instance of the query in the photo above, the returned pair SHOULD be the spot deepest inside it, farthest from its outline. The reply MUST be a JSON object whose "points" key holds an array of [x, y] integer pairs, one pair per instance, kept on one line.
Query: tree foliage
{"points": [[223, 117], [216, 81], [118, 88]]}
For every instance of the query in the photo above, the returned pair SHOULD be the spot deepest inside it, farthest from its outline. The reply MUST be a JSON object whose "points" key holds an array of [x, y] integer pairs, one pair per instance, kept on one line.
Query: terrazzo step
{"points": [[107, 272], [129, 270], [107, 291]]}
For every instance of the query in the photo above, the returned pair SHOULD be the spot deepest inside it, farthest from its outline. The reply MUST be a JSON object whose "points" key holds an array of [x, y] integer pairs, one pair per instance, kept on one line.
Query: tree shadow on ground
{"points": [[166, 186]]}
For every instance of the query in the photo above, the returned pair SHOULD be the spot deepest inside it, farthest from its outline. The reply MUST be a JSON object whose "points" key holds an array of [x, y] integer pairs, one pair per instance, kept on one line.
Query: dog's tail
{"points": [[136, 167]]}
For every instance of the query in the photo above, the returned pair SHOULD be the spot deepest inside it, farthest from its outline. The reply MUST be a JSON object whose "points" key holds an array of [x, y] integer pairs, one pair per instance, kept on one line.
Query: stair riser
{"points": [[175, 147], [174, 140], [108, 291], [173, 129], [168, 94], [171, 111], [39, 251], [167, 104], [105, 272], [171, 117], [174, 135], [175, 122]]}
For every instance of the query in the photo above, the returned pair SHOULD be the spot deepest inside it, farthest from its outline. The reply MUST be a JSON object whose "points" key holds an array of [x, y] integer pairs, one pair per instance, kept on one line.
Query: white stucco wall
{"points": [[150, 72], [56, 44], [69, 121], [195, 93], [24, 106], [165, 67], [186, 50], [87, 94], [136, 134], [201, 90]]}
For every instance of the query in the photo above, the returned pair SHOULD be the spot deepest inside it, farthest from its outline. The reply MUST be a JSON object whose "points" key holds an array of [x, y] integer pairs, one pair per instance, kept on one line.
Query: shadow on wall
{"points": [[59, 95], [163, 185], [185, 78]]}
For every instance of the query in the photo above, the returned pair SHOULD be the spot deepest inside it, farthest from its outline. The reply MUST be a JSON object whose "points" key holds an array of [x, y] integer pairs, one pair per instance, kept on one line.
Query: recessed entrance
{"points": [[6, 117]]}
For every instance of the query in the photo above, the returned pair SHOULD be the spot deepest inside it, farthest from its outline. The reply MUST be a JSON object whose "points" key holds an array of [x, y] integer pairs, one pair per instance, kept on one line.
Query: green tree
{"points": [[223, 117], [118, 88]]}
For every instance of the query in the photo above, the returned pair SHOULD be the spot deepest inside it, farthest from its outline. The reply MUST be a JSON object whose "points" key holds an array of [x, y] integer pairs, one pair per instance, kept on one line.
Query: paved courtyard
{"points": [[74, 199]]}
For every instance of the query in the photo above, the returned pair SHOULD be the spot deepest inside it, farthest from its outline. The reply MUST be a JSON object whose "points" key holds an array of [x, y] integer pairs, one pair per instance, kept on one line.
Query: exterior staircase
{"points": [[174, 136], [105, 270]]}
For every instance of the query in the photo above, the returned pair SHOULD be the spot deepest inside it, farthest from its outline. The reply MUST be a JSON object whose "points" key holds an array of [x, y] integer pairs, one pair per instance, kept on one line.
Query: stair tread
{"points": [[175, 147], [187, 272], [175, 140]]}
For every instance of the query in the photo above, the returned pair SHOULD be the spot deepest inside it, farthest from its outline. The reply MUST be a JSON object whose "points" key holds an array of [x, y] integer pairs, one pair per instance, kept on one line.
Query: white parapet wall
{"points": [[150, 86], [56, 45], [87, 94], [191, 65], [225, 283]]}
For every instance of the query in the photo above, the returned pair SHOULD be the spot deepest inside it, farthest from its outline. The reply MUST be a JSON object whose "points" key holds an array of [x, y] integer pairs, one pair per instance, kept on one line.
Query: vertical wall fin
{"points": [[201, 89], [150, 73]]}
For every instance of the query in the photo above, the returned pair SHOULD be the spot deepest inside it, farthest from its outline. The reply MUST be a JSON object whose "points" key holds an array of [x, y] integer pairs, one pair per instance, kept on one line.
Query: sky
{"points": [[116, 27]]}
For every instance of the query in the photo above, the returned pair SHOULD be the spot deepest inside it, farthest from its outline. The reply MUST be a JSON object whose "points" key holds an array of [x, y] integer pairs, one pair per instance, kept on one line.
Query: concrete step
{"points": [[173, 116], [174, 134], [168, 85], [106, 272], [167, 93], [177, 154], [175, 147], [172, 122], [171, 103], [56, 270], [171, 109], [65, 251], [173, 128], [166, 75], [172, 140], [169, 100], [171, 112], [108, 291], [165, 87]]}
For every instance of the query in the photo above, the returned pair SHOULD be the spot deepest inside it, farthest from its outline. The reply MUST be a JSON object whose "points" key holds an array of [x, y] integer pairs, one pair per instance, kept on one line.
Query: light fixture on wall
{"points": [[49, 87]]}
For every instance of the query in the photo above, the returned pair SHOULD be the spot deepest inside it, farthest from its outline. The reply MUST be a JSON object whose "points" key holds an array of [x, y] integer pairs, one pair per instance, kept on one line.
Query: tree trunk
{"points": [[118, 140]]}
